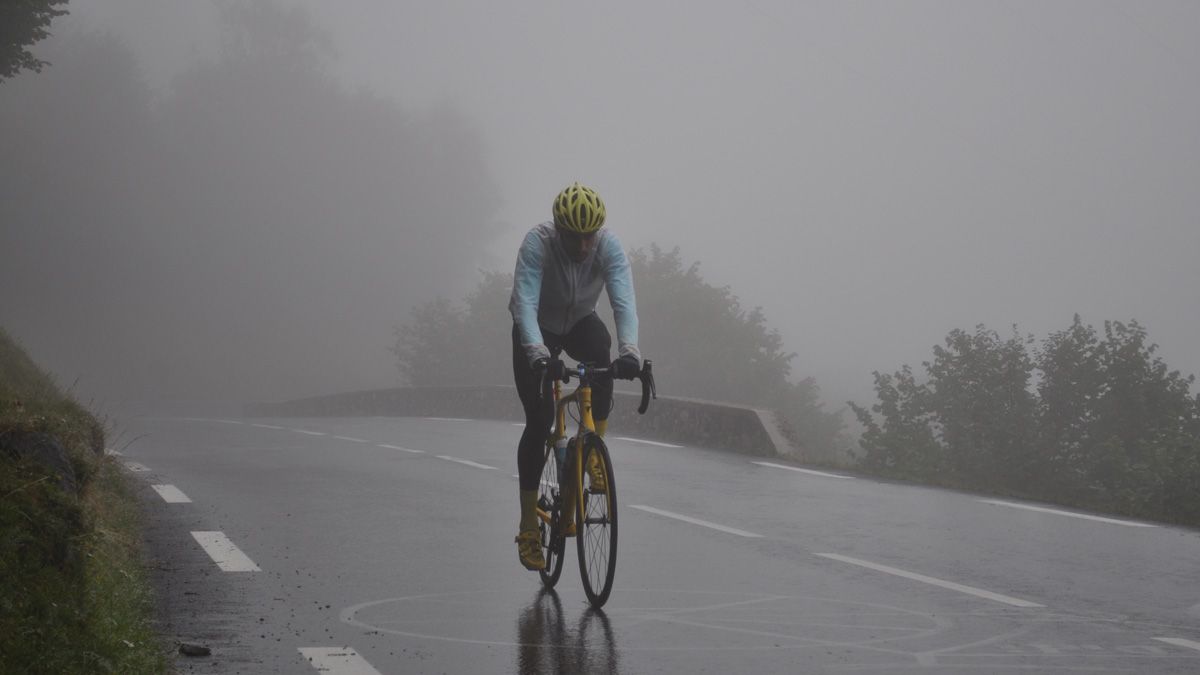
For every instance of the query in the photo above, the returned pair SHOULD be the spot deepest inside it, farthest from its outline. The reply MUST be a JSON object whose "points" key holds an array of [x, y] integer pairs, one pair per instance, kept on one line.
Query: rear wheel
{"points": [[549, 505], [596, 522]]}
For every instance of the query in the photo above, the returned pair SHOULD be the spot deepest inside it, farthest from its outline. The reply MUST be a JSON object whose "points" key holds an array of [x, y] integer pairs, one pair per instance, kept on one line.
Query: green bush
{"points": [[1108, 426]]}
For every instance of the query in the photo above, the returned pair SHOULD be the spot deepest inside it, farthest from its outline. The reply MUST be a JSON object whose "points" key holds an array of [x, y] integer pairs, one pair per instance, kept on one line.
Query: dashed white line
{"points": [[310, 433], [969, 590], [223, 552], [466, 462], [1040, 509], [135, 466], [1180, 642], [396, 447], [266, 426], [799, 470], [171, 494], [337, 660], [351, 438], [228, 421], [449, 419], [642, 440], [695, 521]]}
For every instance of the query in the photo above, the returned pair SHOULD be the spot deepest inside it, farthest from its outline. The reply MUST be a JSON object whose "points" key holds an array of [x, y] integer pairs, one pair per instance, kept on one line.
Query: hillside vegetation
{"points": [[74, 598]]}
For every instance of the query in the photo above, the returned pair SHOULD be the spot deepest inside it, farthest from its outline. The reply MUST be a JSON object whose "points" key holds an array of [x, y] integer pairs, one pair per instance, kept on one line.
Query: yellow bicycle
{"points": [[577, 495]]}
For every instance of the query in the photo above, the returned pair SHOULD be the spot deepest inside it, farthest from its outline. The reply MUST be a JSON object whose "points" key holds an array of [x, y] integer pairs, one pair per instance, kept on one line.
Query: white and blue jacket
{"points": [[552, 293]]}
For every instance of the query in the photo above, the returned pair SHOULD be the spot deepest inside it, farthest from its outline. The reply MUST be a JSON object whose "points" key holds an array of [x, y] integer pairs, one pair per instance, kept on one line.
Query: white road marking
{"points": [[351, 438], [969, 590], [227, 556], [694, 521], [135, 466], [337, 660], [228, 421], [396, 447], [266, 426], [642, 440], [1180, 642], [467, 462], [171, 494], [1040, 509], [310, 433], [799, 470], [449, 419]]}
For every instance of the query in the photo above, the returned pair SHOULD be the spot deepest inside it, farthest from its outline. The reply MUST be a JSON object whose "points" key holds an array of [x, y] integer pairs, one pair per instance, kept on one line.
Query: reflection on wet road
{"points": [[547, 644]]}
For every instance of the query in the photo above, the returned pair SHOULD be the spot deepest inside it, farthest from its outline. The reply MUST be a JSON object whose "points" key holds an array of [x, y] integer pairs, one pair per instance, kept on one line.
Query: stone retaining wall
{"points": [[671, 420]]}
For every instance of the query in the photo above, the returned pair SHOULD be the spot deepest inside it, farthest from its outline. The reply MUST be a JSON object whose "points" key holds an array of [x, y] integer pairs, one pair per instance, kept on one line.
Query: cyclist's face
{"points": [[578, 246]]}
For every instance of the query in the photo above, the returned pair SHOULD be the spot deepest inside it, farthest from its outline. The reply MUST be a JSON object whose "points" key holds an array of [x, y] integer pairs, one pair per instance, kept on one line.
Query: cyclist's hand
{"points": [[626, 367]]}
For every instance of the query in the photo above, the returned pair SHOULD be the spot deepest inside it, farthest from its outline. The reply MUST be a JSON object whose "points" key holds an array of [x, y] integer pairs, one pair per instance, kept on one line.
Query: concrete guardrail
{"points": [[699, 423]]}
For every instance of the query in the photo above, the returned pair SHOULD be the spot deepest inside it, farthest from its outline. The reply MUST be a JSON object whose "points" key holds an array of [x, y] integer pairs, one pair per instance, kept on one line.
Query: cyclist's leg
{"points": [[538, 414], [590, 341]]}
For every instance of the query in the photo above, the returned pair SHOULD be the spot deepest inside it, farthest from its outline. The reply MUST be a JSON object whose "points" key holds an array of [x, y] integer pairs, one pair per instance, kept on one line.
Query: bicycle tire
{"points": [[550, 501], [596, 524]]}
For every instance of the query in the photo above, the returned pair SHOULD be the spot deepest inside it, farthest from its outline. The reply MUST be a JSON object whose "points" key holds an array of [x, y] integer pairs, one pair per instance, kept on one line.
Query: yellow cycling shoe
{"points": [[596, 473], [529, 550]]}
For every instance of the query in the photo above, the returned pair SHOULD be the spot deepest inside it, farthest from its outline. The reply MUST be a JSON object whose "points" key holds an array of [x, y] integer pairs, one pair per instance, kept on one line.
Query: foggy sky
{"points": [[871, 174]]}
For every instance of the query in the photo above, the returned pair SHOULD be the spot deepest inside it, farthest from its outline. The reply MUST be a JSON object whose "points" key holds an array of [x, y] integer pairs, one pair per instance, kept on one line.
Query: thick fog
{"points": [[223, 199]]}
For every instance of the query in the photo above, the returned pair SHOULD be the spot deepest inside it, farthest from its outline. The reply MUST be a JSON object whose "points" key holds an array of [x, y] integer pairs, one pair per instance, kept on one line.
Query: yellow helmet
{"points": [[578, 208]]}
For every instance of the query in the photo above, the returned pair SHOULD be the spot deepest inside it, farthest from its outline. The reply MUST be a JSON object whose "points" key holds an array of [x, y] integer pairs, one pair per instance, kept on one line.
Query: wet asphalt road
{"points": [[400, 560]]}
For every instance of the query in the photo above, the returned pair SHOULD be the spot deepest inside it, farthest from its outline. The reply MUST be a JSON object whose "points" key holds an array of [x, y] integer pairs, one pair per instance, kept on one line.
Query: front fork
{"points": [[573, 485]]}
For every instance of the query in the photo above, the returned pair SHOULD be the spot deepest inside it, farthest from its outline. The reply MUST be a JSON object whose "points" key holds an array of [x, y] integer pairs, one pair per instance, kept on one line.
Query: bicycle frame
{"points": [[583, 397]]}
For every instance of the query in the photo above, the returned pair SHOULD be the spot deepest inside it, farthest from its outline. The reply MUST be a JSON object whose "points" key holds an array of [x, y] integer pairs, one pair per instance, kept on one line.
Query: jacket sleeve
{"points": [[526, 294], [618, 279]]}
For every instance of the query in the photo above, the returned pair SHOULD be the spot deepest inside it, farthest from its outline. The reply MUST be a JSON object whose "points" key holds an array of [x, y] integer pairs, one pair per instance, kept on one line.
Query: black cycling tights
{"points": [[588, 341]]}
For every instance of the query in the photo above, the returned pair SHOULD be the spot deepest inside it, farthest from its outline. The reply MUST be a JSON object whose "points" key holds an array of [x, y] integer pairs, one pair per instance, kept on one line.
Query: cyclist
{"points": [[562, 266]]}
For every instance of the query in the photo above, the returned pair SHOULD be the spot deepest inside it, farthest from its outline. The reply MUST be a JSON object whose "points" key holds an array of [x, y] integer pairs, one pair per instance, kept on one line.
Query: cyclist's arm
{"points": [[618, 278], [526, 295]]}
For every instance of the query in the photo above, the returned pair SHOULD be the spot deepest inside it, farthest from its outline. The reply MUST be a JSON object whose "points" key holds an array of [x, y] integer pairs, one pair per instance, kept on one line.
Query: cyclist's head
{"points": [[579, 209]]}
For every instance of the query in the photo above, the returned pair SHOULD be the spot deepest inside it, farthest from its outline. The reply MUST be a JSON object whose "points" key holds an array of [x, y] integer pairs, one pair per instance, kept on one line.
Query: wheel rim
{"points": [[550, 501], [598, 532]]}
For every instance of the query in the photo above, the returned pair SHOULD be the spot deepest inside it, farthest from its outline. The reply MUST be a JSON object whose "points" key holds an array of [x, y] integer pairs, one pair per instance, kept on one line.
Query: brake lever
{"points": [[648, 388]]}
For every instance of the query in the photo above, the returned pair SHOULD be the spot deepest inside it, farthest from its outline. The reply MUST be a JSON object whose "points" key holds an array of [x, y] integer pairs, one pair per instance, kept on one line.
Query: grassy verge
{"points": [[74, 598]]}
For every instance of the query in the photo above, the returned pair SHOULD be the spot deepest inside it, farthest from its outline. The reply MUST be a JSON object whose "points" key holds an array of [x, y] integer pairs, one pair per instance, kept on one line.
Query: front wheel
{"points": [[596, 520]]}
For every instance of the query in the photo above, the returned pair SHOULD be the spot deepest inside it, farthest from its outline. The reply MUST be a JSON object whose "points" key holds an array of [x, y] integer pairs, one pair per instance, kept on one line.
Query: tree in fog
{"points": [[1135, 427], [23, 23], [902, 442], [707, 344], [979, 386], [1069, 389], [245, 233], [443, 344]]}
